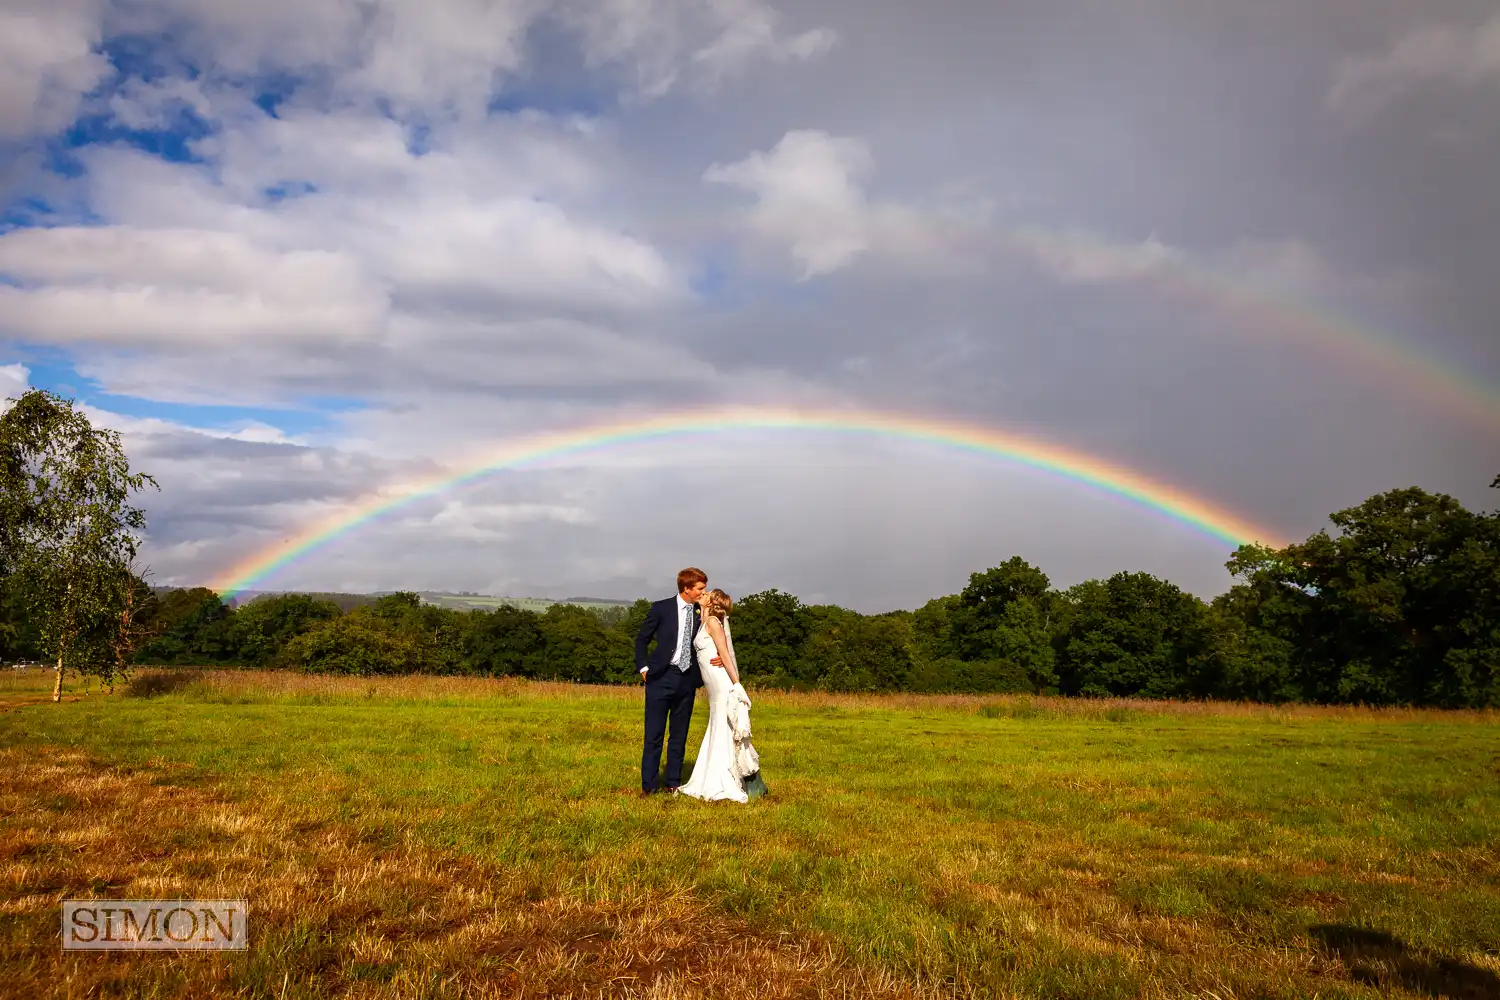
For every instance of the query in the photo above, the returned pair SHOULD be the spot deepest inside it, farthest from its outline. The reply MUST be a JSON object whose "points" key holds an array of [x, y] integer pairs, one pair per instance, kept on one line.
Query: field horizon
{"points": [[444, 836]]}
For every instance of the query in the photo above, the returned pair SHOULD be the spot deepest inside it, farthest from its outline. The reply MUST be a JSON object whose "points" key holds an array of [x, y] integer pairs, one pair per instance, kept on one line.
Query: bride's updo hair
{"points": [[719, 604]]}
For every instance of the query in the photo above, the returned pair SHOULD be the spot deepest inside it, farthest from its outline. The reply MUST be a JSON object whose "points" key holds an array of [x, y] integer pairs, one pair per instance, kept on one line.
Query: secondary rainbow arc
{"points": [[1214, 520], [1440, 383], [1464, 388]]}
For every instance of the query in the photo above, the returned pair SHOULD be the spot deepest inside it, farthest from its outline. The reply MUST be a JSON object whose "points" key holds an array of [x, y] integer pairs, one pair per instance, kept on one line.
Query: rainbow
{"points": [[1441, 384], [1211, 519], [1354, 344]]}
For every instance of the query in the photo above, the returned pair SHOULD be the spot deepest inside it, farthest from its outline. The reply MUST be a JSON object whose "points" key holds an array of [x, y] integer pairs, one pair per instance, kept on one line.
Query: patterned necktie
{"points": [[684, 657]]}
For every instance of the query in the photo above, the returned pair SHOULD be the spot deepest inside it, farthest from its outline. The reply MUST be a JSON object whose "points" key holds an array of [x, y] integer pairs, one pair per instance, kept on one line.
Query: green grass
{"points": [[1024, 847]]}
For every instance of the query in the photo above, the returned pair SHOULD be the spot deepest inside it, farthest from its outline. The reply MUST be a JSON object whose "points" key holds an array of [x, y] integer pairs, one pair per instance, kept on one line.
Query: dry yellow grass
{"points": [[348, 920], [421, 836], [271, 684]]}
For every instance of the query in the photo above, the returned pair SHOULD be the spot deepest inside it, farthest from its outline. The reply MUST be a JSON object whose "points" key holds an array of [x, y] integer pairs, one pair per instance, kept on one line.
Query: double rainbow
{"points": [[1207, 517]]}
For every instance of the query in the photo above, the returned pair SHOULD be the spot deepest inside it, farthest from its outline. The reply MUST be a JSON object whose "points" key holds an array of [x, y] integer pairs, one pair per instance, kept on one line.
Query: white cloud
{"points": [[14, 380], [124, 284], [450, 58], [1433, 53], [749, 34], [156, 105], [666, 44], [810, 197], [415, 55], [254, 431], [1082, 258], [202, 255], [48, 61], [492, 522]]}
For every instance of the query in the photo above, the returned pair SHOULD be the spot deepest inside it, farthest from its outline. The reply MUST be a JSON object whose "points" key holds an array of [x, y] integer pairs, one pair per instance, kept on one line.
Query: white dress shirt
{"points": [[683, 610]]}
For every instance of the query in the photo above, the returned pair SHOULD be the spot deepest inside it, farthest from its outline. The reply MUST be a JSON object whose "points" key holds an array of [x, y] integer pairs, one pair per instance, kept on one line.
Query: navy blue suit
{"points": [[669, 691]]}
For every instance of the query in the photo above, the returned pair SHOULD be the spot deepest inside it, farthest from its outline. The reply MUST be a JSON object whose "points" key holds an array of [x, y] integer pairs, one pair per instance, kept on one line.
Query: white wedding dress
{"points": [[714, 775]]}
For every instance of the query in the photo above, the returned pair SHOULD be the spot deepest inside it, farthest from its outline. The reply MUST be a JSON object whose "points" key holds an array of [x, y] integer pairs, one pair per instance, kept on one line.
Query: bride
{"points": [[719, 771]]}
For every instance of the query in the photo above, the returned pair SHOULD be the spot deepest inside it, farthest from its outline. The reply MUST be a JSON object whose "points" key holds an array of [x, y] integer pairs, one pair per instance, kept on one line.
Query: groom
{"points": [[670, 674]]}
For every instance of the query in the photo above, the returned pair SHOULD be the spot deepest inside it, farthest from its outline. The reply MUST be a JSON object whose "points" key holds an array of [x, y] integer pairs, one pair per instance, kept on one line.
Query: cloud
{"points": [[158, 105], [48, 61], [117, 284], [378, 246], [254, 431], [749, 34], [15, 379], [1432, 53], [810, 197], [668, 44], [492, 522], [329, 247], [451, 59], [1082, 258], [808, 191]]}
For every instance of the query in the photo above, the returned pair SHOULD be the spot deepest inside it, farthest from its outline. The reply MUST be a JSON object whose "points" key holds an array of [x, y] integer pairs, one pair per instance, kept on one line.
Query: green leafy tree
{"points": [[262, 628], [359, 643], [853, 652], [189, 626], [18, 635], [826, 627], [1400, 606], [1023, 637], [954, 676], [504, 642], [438, 634], [1134, 634], [1006, 613], [575, 646], [933, 632], [770, 630], [68, 532]]}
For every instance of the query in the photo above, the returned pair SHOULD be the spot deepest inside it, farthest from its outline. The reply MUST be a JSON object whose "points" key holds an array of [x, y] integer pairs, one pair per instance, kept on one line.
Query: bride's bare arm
{"points": [[716, 633]]}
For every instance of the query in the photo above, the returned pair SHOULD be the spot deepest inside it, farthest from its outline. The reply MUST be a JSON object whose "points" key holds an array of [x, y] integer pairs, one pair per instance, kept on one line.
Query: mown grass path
{"points": [[942, 846]]}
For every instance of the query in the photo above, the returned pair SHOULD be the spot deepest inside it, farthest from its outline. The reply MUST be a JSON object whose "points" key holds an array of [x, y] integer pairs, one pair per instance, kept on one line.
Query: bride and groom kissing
{"points": [[694, 649]]}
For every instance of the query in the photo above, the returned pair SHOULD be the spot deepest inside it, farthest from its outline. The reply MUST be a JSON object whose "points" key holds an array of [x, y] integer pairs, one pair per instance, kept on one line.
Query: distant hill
{"points": [[462, 601], [486, 602], [346, 602]]}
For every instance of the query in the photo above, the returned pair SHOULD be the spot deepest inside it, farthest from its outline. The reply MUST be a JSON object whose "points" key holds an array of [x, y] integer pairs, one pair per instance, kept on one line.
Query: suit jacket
{"points": [[661, 625]]}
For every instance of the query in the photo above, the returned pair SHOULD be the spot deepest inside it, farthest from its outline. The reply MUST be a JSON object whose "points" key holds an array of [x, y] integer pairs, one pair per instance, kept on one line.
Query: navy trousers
{"points": [[669, 709]]}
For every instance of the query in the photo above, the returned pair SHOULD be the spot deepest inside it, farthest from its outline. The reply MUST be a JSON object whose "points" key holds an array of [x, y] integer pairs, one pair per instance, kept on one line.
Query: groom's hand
{"points": [[643, 675], [716, 662]]}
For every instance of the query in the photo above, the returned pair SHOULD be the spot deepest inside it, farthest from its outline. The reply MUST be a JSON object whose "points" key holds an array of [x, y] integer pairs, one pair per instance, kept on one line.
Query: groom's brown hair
{"points": [[687, 577]]}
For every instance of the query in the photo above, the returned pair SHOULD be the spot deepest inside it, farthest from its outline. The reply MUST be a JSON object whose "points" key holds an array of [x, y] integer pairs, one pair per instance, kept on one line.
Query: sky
{"points": [[302, 254]]}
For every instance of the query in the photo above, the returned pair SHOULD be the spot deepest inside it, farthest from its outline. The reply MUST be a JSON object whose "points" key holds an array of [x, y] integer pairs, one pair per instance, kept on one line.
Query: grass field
{"points": [[423, 837]]}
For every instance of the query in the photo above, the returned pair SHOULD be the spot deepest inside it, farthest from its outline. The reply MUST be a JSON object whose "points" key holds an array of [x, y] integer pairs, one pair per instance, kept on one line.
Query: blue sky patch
{"points": [[273, 90], [150, 57], [287, 190], [52, 370], [171, 144]]}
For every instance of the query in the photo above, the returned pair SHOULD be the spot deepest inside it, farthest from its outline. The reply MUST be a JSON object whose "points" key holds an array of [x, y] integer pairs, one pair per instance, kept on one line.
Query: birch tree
{"points": [[68, 532]]}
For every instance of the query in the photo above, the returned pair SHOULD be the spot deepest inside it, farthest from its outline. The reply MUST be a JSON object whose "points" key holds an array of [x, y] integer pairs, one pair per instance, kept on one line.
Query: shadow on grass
{"points": [[1383, 960], [151, 684]]}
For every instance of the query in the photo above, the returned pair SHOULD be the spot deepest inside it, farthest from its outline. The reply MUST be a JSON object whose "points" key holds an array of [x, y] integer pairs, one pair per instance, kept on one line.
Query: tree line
{"points": [[1398, 605]]}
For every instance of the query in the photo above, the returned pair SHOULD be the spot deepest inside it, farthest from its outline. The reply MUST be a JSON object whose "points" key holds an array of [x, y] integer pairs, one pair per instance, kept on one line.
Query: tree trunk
{"points": [[57, 685]]}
